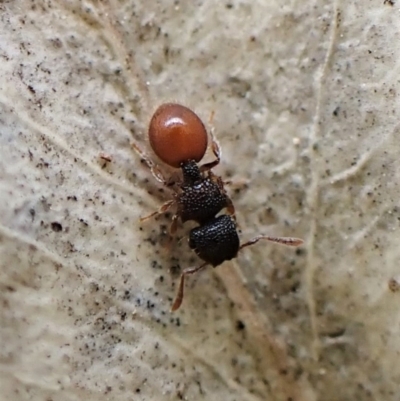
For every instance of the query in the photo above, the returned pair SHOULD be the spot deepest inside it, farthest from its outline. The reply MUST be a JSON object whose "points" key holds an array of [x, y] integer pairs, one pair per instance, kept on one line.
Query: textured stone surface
{"points": [[305, 101]]}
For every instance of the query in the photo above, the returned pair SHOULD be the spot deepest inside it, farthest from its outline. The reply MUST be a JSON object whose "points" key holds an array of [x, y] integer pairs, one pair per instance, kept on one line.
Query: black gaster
{"points": [[216, 241], [201, 198]]}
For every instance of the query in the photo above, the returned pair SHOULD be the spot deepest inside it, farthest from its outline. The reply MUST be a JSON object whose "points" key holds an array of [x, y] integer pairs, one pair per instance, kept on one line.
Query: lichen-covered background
{"points": [[305, 95]]}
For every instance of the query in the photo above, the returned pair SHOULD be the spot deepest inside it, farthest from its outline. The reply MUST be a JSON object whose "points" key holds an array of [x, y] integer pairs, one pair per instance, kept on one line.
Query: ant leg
{"points": [[217, 153], [289, 241], [149, 163], [229, 204], [211, 118], [174, 224], [172, 230], [161, 210], [179, 295], [230, 208], [216, 149]]}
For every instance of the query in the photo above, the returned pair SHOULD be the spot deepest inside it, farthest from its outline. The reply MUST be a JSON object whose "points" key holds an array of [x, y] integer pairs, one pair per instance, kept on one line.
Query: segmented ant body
{"points": [[178, 137]]}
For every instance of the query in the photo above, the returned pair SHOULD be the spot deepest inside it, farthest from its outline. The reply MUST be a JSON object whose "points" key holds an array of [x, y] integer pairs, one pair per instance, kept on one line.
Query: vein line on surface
{"points": [[313, 192]]}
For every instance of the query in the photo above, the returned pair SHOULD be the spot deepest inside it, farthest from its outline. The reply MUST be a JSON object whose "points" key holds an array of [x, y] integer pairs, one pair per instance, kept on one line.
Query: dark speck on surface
{"points": [[56, 226]]}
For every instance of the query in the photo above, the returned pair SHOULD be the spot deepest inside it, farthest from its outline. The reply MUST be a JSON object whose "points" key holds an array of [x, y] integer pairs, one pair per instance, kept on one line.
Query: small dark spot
{"points": [[295, 286], [175, 270], [337, 332], [389, 2], [394, 285], [56, 227], [336, 111], [107, 158], [240, 325]]}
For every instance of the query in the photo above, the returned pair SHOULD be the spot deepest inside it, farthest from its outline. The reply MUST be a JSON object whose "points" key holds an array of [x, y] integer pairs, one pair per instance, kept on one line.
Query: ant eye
{"points": [[177, 135]]}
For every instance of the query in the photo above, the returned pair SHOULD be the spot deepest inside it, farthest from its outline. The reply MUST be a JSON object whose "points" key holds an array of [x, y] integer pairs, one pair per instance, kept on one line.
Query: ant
{"points": [[179, 138]]}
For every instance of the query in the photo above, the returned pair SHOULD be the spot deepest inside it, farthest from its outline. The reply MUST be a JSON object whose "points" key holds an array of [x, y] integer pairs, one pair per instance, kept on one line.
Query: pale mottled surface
{"points": [[305, 96]]}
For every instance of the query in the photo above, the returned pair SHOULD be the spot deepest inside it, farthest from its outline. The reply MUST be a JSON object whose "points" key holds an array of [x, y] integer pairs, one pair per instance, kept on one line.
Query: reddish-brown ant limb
{"points": [[150, 165], [164, 208], [211, 118], [231, 208], [174, 224], [229, 204], [289, 241], [179, 295], [216, 149]]}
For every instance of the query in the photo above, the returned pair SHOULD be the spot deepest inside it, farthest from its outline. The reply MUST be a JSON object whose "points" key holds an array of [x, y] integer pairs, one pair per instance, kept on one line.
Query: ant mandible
{"points": [[179, 138]]}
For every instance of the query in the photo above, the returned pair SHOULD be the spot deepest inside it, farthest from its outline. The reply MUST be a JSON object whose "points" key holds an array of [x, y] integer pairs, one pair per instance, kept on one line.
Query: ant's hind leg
{"points": [[179, 295], [289, 241], [150, 164]]}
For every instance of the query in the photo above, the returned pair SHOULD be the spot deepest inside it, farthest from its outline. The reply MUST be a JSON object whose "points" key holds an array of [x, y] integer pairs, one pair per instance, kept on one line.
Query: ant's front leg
{"points": [[217, 153], [160, 178], [155, 171], [215, 147], [164, 208]]}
